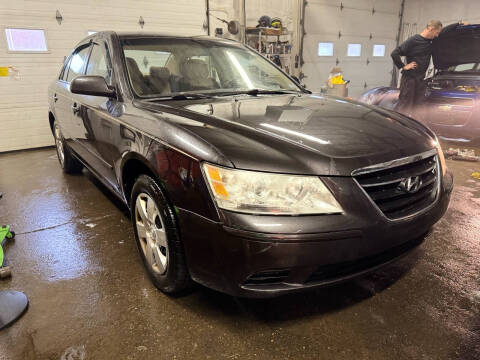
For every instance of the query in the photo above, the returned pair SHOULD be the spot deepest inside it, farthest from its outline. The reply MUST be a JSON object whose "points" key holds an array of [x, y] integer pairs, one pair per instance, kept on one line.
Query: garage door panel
{"points": [[379, 24], [36, 71], [103, 7], [388, 6], [357, 4], [341, 47], [319, 22], [381, 6], [317, 75], [310, 46], [323, 22]]}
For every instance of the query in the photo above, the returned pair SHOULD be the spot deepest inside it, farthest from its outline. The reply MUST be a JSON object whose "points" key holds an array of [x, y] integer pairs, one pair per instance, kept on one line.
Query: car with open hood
{"points": [[236, 177], [452, 99]]}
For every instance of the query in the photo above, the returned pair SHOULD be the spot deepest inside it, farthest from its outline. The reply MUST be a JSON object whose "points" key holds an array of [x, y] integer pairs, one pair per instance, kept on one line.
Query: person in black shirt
{"points": [[418, 51]]}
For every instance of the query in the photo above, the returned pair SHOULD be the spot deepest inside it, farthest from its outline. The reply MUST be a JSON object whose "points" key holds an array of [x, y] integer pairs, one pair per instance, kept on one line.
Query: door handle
{"points": [[75, 108], [55, 97]]}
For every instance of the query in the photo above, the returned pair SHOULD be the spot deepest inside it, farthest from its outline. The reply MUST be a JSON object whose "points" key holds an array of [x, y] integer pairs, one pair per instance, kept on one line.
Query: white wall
{"points": [[23, 100], [419, 12]]}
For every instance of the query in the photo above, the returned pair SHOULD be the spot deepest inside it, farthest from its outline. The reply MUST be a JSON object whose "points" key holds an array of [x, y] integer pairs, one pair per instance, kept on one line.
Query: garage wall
{"points": [[365, 22], [231, 10], [419, 12], [286, 10], [23, 98]]}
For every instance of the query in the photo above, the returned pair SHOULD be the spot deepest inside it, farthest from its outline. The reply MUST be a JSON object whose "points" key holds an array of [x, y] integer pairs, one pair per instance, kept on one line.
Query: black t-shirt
{"points": [[418, 49]]}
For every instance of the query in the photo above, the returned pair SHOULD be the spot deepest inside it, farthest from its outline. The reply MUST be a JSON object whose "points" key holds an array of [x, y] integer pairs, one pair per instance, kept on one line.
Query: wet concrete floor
{"points": [[75, 258]]}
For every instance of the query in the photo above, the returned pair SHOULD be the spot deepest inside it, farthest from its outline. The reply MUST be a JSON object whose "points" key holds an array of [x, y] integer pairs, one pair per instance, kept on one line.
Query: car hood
{"points": [[306, 134], [455, 47]]}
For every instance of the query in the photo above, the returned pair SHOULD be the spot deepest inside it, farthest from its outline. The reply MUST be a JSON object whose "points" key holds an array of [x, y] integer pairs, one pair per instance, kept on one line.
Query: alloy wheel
{"points": [[151, 233], [59, 145]]}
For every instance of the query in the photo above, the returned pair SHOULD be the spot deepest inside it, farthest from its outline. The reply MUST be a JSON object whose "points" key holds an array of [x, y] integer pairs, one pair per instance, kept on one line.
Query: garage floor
{"points": [[90, 298]]}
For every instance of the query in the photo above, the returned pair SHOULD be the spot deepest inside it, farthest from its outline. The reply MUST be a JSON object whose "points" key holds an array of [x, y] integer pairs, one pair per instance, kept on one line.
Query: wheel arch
{"points": [[133, 165]]}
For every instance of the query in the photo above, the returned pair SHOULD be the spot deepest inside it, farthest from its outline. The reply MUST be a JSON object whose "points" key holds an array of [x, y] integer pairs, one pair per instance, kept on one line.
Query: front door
{"points": [[95, 118]]}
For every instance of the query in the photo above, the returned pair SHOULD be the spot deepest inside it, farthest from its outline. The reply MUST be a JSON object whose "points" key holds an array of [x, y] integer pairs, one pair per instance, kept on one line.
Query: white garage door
{"points": [[357, 22], [23, 95]]}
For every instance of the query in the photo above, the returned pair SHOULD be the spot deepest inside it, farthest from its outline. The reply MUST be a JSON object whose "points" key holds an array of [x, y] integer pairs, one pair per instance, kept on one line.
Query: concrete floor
{"points": [[75, 258]]}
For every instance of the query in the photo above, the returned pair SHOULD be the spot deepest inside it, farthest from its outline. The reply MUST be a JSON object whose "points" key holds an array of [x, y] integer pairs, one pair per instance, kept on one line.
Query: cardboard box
{"points": [[338, 90]]}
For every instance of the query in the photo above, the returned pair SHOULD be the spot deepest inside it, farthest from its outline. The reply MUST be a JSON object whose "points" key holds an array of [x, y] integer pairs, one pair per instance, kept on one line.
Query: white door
{"points": [[358, 22], [23, 95]]}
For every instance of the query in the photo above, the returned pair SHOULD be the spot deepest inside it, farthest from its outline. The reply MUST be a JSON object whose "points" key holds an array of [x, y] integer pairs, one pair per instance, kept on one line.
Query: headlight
{"points": [[264, 193], [441, 157]]}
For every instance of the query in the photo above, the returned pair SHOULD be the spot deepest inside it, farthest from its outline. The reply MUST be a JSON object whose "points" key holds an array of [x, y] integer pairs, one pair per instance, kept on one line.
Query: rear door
{"points": [[68, 101], [62, 98], [61, 102]]}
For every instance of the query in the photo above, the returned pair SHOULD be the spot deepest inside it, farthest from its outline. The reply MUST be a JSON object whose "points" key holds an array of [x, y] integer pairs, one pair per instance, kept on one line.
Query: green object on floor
{"points": [[5, 233]]}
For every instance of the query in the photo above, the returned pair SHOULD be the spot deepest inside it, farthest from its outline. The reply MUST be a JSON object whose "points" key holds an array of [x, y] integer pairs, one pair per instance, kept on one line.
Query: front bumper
{"points": [[266, 256]]}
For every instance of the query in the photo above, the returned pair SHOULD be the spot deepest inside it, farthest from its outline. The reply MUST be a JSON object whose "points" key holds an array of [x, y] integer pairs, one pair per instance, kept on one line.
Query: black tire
{"points": [[175, 278], [69, 163]]}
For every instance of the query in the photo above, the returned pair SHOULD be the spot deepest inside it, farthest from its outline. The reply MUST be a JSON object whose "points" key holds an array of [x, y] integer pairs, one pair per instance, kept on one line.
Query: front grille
{"points": [[390, 189], [274, 276]]}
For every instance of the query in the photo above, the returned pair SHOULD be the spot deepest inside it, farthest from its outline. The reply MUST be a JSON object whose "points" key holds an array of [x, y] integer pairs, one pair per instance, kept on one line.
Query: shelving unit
{"points": [[271, 42]]}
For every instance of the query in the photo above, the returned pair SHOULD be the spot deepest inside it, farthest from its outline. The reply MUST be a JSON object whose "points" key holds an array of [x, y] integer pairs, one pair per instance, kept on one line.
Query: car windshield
{"points": [[165, 67], [470, 67]]}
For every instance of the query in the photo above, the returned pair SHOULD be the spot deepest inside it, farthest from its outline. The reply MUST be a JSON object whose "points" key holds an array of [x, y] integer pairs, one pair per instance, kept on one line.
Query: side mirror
{"points": [[91, 85]]}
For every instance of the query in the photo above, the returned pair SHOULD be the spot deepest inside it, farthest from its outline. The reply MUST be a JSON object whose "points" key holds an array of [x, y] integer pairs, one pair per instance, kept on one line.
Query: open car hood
{"points": [[455, 47]]}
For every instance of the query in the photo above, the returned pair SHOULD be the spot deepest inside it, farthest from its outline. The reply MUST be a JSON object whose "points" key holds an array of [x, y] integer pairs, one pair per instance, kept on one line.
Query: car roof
{"points": [[138, 34], [141, 34]]}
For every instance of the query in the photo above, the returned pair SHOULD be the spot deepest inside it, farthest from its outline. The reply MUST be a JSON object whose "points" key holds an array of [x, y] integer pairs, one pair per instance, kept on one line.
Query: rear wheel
{"points": [[68, 162], [157, 236]]}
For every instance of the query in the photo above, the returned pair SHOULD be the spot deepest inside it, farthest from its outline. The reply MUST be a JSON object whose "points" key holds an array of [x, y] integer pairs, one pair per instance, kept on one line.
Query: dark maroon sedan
{"points": [[236, 177]]}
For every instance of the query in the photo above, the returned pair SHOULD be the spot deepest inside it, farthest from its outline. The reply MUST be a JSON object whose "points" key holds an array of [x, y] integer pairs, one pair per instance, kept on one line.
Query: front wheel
{"points": [[157, 236]]}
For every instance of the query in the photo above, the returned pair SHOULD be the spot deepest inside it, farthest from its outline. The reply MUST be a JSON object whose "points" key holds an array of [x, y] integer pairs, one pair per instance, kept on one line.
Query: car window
{"points": [[77, 63], [99, 63], [146, 59], [259, 72], [464, 67], [212, 70], [160, 66], [64, 71]]}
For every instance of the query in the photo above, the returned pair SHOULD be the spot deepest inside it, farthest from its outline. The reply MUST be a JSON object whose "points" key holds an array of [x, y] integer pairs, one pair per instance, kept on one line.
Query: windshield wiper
{"points": [[181, 96], [266, 91], [255, 92]]}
